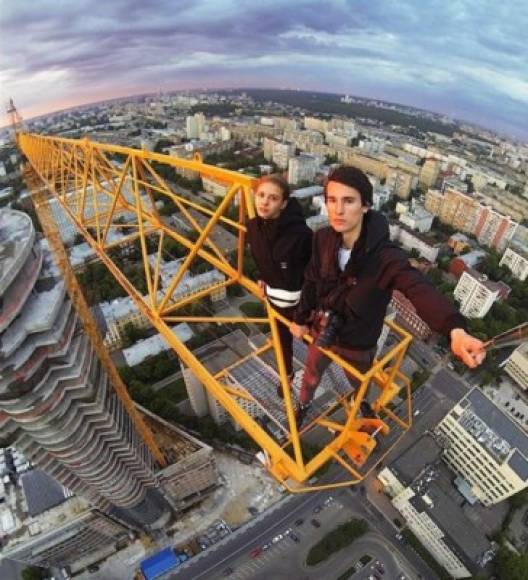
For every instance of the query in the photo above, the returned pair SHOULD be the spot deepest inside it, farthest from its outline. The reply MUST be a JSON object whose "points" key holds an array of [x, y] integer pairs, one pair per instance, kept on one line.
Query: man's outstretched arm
{"points": [[433, 307]]}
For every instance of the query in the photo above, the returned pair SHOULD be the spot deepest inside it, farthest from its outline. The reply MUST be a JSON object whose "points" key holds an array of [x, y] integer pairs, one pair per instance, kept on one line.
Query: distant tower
{"points": [[16, 121], [57, 405]]}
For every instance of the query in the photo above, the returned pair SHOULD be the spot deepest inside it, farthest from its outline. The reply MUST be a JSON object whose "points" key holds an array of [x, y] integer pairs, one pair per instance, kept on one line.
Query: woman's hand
{"points": [[262, 288]]}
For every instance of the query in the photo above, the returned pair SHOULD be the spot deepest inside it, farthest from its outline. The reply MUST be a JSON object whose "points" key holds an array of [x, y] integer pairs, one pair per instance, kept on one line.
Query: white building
{"points": [[302, 168], [339, 139], [282, 153], [379, 198], [267, 147], [517, 366], [195, 125], [484, 446], [475, 293], [421, 489], [516, 262], [153, 345], [225, 134], [417, 219], [410, 241], [222, 355]]}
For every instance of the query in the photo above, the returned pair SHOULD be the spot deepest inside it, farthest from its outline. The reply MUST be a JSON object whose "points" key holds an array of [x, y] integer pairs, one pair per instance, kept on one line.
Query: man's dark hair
{"points": [[352, 177], [277, 180]]}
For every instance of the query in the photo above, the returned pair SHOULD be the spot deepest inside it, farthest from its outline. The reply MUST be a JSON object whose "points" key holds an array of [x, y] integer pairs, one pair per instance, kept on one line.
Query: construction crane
{"points": [[96, 184]]}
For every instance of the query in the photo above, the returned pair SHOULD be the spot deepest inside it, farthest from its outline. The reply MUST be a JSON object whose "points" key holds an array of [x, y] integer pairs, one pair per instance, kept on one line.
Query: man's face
{"points": [[269, 201], [345, 212]]}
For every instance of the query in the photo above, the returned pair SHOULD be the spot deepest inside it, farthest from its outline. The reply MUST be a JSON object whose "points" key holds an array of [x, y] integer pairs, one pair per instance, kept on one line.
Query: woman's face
{"points": [[269, 201]]}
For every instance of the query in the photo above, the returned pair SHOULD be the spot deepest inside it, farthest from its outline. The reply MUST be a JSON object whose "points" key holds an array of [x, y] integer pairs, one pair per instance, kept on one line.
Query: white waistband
{"points": [[283, 298]]}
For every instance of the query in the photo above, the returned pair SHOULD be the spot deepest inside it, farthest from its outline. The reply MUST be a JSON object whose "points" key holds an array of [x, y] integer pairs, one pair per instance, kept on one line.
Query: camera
{"points": [[330, 323]]}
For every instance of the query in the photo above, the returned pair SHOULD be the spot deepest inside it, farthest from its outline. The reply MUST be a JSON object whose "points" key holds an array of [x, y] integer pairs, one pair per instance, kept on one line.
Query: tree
{"points": [[34, 573], [510, 565], [252, 309], [162, 144]]}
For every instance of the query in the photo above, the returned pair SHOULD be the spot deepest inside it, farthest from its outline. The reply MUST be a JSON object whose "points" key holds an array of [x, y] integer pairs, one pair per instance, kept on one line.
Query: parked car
{"points": [[255, 553], [228, 571], [315, 523], [299, 522], [317, 509], [294, 538]]}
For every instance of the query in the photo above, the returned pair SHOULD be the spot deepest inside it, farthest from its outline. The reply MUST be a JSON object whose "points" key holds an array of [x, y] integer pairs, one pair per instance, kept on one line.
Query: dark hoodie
{"points": [[362, 292], [281, 247]]}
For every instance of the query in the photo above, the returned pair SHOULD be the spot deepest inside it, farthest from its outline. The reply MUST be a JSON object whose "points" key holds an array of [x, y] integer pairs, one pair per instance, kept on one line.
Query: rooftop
{"points": [[42, 492], [308, 191], [421, 468], [175, 443], [425, 451], [492, 418], [443, 503], [47, 521], [155, 344]]}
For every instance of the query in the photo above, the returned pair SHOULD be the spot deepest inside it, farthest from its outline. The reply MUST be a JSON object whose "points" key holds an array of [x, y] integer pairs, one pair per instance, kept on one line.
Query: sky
{"points": [[465, 58]]}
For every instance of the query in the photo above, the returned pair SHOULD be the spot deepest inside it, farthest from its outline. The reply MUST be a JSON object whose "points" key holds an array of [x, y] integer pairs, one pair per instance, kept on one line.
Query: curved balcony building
{"points": [[56, 403]]}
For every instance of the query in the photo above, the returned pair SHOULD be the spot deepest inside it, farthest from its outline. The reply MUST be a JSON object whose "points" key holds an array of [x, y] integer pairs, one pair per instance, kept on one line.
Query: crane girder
{"points": [[106, 190]]}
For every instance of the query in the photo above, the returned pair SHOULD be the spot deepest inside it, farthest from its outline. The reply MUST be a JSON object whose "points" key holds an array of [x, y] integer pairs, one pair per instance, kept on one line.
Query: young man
{"points": [[348, 284], [281, 243]]}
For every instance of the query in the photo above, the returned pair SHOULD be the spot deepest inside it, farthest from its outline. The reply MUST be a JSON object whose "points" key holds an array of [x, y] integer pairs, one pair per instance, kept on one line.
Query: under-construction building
{"points": [[57, 405]]}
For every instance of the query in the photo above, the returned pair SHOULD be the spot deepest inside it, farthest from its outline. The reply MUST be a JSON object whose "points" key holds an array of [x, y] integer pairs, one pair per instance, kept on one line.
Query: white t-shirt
{"points": [[343, 257]]}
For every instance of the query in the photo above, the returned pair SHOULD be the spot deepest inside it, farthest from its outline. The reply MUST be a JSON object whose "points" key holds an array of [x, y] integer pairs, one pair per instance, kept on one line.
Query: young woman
{"points": [[281, 243]]}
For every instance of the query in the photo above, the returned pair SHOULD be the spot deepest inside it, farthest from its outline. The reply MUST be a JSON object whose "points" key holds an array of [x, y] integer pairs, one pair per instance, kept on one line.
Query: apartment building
{"points": [[475, 293], [485, 447]]}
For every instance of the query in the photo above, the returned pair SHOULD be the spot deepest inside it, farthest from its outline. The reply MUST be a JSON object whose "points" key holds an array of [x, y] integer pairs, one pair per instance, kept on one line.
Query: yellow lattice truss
{"points": [[98, 185]]}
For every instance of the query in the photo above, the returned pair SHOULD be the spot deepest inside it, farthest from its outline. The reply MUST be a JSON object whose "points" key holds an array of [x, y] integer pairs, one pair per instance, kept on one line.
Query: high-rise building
{"points": [[429, 173], [460, 210], [315, 124], [494, 229], [517, 262], [195, 125], [407, 316], [399, 182], [57, 404], [476, 294], [282, 153], [484, 446], [302, 168], [433, 201]]}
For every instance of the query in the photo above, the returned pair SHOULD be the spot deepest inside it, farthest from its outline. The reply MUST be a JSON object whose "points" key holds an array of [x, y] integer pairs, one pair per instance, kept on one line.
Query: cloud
{"points": [[465, 57]]}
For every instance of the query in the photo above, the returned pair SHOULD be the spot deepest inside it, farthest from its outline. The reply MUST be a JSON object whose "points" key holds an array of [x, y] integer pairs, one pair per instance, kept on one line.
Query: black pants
{"points": [[286, 337]]}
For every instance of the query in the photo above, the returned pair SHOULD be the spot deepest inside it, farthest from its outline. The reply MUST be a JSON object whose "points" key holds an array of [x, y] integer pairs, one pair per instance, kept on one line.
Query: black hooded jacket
{"points": [[281, 247], [361, 294]]}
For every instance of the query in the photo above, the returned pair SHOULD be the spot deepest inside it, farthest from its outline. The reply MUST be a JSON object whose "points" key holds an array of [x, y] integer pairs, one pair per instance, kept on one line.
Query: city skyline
{"points": [[465, 59]]}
